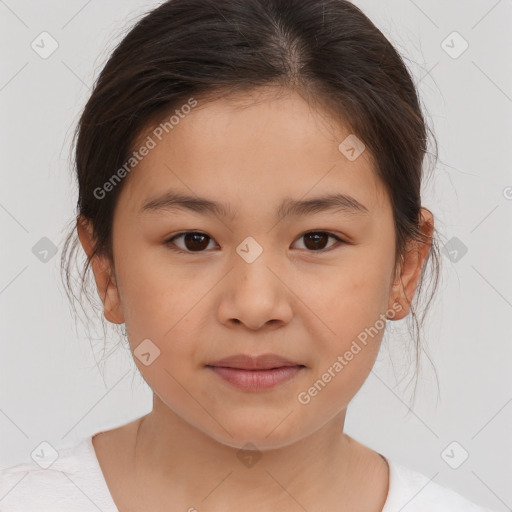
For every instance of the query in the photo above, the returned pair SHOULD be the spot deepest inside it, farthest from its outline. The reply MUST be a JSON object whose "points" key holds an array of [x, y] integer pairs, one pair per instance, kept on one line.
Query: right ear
{"points": [[103, 270]]}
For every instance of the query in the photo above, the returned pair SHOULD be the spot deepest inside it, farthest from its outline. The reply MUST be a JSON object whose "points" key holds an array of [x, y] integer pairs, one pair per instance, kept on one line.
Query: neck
{"points": [[212, 474]]}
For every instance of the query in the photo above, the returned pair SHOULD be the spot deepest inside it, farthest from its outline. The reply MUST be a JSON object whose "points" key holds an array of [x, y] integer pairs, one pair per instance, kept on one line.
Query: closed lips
{"points": [[251, 362]]}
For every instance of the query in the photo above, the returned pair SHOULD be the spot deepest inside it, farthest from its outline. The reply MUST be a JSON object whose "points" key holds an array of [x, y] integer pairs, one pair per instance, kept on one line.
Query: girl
{"points": [[249, 201]]}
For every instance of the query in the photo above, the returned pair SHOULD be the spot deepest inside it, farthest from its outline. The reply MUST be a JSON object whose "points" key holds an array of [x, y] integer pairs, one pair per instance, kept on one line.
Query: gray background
{"points": [[51, 387]]}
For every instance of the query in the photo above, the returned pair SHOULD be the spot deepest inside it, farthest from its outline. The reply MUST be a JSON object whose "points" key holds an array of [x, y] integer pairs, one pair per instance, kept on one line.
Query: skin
{"points": [[305, 305]]}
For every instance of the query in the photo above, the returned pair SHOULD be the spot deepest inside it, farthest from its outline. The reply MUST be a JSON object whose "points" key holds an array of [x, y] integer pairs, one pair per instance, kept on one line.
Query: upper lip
{"points": [[254, 362]]}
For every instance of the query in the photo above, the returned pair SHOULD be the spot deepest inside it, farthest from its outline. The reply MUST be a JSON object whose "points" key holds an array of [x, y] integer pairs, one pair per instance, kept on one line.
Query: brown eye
{"points": [[193, 241], [317, 240]]}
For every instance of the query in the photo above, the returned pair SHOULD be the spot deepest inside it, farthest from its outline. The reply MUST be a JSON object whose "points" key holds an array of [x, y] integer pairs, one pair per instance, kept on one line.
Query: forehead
{"points": [[253, 147]]}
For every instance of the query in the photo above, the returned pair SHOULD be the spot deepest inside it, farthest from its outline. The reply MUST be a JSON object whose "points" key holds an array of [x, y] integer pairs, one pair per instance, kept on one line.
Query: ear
{"points": [[404, 286], [104, 274]]}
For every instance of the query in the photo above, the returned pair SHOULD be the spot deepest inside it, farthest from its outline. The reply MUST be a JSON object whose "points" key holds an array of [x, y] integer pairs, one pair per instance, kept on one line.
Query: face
{"points": [[276, 268]]}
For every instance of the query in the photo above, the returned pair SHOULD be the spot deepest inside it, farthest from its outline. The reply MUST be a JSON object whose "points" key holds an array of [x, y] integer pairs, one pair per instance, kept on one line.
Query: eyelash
{"points": [[170, 242]]}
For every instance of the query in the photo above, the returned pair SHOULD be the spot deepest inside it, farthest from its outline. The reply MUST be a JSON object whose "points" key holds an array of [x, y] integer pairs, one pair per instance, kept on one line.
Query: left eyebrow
{"points": [[343, 203]]}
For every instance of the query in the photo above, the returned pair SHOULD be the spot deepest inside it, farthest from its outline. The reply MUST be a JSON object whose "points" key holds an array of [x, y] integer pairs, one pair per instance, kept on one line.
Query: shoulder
{"points": [[65, 479], [420, 493]]}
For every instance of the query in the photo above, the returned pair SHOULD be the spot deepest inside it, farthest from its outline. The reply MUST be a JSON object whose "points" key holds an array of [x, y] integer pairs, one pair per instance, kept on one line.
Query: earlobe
{"points": [[112, 303], [103, 273], [406, 283]]}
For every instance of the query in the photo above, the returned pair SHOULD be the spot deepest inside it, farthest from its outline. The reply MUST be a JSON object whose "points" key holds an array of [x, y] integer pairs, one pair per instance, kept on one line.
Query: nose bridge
{"points": [[254, 295], [251, 270]]}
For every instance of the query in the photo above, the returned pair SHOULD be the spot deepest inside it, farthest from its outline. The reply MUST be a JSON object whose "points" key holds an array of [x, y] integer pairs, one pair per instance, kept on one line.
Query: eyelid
{"points": [[339, 241], [170, 242]]}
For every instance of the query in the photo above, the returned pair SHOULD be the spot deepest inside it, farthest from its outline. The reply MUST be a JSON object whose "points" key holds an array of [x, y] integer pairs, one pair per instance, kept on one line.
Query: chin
{"points": [[261, 436]]}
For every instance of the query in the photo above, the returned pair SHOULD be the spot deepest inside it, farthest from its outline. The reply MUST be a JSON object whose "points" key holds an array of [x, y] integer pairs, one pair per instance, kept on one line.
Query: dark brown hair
{"points": [[326, 50]]}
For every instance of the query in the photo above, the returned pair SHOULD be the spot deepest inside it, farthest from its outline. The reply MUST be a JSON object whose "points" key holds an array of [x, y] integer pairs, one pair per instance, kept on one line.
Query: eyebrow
{"points": [[171, 201]]}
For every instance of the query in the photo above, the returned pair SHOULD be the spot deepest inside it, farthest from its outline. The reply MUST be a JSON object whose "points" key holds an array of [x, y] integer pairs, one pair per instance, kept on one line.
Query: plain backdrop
{"points": [[52, 387]]}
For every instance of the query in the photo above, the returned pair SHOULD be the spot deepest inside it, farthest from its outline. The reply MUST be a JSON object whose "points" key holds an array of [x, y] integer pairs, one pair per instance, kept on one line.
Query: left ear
{"points": [[404, 287]]}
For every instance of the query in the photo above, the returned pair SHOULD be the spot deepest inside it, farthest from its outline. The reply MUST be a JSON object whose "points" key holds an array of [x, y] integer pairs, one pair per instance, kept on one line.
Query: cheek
{"points": [[153, 290], [349, 297], [335, 386], [345, 351], [160, 306], [348, 321]]}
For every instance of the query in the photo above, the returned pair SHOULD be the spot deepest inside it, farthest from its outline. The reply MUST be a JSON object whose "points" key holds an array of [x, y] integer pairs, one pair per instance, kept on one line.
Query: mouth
{"points": [[255, 373], [254, 362]]}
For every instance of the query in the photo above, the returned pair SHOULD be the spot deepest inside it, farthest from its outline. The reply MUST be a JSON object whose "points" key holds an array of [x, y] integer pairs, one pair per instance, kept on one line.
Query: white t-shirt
{"points": [[74, 482]]}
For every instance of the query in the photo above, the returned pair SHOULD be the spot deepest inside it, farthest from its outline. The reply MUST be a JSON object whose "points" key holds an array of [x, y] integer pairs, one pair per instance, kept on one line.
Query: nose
{"points": [[255, 295]]}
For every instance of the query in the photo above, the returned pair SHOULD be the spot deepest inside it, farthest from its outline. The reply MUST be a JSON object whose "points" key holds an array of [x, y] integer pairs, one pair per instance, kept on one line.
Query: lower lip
{"points": [[255, 380]]}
